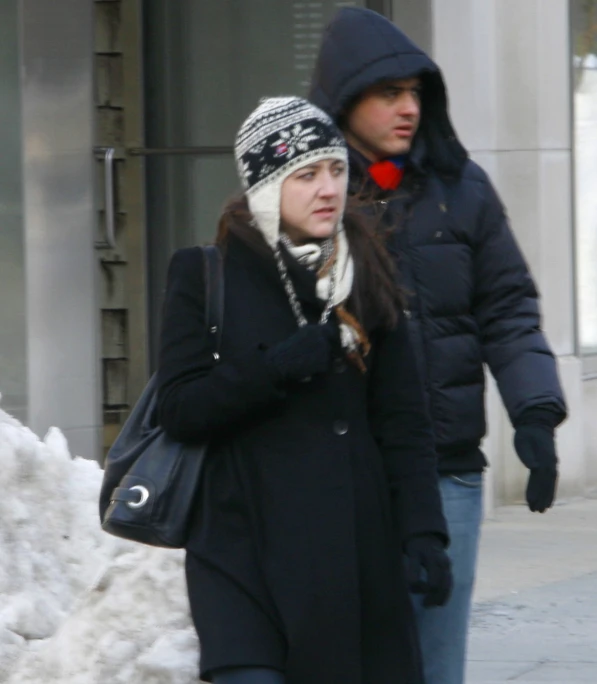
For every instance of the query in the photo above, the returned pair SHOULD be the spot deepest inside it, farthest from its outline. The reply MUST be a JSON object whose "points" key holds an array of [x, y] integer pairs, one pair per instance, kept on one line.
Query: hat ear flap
{"points": [[264, 204]]}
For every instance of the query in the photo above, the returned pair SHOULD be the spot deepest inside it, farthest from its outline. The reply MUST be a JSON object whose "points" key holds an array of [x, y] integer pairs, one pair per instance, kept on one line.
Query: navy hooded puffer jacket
{"points": [[472, 299]]}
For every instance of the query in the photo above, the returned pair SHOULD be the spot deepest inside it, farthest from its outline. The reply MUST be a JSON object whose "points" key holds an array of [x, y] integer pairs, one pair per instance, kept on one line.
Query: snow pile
{"points": [[76, 605]]}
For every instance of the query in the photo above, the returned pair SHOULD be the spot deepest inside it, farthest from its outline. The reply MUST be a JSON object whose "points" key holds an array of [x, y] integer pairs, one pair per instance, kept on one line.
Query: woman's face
{"points": [[313, 200]]}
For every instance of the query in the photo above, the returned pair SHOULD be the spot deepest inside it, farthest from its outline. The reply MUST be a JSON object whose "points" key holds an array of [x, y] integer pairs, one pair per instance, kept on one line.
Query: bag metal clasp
{"points": [[144, 496]]}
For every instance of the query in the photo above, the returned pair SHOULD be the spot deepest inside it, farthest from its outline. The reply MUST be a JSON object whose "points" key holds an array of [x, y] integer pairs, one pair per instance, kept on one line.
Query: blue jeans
{"points": [[443, 631]]}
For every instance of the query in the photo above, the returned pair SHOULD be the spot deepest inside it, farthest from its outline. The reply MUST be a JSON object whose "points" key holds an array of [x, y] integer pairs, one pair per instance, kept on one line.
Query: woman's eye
{"points": [[339, 170], [307, 176]]}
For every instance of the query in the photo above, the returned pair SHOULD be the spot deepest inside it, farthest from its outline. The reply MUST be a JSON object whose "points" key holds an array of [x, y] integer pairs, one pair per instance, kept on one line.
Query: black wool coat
{"points": [[294, 559], [472, 298]]}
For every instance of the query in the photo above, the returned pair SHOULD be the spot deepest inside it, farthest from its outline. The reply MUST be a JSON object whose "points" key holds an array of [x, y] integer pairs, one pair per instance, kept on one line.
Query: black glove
{"points": [[534, 442], [306, 353], [428, 569]]}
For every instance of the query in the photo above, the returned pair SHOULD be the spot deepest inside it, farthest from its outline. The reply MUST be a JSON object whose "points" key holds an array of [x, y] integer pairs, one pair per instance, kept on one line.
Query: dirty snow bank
{"points": [[76, 605]]}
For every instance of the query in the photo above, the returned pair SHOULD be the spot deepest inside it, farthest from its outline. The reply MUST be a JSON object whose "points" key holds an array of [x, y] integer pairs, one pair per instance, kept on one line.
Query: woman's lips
{"points": [[327, 211]]}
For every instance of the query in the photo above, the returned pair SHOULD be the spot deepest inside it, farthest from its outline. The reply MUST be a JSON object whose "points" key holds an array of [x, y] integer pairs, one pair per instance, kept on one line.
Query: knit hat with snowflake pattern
{"points": [[280, 136]]}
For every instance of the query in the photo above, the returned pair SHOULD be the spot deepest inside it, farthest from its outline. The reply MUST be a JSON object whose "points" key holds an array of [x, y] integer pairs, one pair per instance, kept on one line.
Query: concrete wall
{"points": [[589, 398], [56, 68], [506, 63]]}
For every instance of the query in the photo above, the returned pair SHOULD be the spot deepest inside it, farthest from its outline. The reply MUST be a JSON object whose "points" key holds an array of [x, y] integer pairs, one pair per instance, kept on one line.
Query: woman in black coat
{"points": [[321, 472]]}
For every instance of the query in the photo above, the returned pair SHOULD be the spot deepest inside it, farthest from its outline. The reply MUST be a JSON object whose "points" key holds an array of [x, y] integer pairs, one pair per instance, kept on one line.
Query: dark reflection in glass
{"points": [[13, 340], [207, 64]]}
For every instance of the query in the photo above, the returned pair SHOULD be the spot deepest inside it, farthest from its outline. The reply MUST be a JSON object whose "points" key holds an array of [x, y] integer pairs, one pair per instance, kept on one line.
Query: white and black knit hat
{"points": [[280, 136]]}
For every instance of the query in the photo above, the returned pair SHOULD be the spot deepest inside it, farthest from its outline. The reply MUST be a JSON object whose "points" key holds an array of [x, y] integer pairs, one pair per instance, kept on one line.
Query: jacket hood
{"points": [[360, 48]]}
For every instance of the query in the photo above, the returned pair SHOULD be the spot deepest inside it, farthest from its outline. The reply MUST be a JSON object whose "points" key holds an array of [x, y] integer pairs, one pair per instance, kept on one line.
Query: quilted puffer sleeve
{"points": [[506, 307]]}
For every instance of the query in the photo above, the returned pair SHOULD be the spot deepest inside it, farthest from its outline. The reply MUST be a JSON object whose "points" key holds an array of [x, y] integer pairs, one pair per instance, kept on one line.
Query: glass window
{"points": [[584, 44], [13, 341], [207, 64]]}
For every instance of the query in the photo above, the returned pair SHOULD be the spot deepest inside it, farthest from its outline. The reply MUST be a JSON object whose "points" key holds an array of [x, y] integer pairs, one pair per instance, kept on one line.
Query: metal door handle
{"points": [[109, 211]]}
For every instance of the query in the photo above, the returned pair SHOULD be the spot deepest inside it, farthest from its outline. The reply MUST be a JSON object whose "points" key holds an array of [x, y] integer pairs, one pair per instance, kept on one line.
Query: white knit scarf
{"points": [[310, 255]]}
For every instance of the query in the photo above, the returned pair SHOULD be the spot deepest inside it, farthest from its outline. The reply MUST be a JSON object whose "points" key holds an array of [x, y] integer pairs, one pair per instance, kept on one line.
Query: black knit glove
{"points": [[534, 442], [428, 569], [306, 353]]}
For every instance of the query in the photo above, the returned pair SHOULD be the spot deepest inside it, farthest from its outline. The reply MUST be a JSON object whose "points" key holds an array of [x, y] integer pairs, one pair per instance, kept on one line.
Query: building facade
{"points": [[118, 119]]}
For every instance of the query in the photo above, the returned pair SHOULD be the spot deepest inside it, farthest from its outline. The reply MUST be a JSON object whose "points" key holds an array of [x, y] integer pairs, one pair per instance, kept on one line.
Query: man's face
{"points": [[384, 121]]}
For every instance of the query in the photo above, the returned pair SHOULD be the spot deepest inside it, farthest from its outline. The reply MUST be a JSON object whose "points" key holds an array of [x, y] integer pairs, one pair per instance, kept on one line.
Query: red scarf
{"points": [[388, 174]]}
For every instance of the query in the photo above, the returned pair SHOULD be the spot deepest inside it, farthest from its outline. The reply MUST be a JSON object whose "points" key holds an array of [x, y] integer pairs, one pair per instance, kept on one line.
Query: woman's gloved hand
{"points": [[305, 353], [428, 569]]}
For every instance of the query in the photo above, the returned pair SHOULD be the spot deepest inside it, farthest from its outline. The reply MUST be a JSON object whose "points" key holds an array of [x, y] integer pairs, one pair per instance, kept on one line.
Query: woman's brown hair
{"points": [[376, 298]]}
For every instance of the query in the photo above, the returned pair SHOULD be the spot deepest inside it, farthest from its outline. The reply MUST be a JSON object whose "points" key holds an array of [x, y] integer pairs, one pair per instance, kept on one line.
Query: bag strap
{"points": [[214, 295], [214, 302]]}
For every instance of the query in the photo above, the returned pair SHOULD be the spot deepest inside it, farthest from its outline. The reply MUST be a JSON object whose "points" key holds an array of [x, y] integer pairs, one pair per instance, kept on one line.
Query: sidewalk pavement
{"points": [[535, 614]]}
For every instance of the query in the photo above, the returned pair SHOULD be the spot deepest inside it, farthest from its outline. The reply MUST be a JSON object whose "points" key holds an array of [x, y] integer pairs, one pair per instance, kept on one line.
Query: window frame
{"points": [[587, 357], [382, 6]]}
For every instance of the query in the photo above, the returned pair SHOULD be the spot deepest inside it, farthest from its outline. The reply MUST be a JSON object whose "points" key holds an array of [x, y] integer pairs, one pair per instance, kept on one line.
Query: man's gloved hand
{"points": [[428, 569], [534, 442], [307, 352]]}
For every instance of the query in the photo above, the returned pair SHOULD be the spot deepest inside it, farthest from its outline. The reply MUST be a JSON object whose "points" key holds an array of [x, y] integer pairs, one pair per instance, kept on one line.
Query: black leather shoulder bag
{"points": [[150, 480]]}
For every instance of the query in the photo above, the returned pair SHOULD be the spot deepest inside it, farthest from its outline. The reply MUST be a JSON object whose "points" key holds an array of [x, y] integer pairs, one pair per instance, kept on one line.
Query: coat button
{"points": [[340, 427], [339, 365]]}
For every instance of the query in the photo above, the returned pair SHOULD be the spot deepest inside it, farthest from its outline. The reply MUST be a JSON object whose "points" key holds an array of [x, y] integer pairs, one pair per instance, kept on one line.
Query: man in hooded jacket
{"points": [[472, 299]]}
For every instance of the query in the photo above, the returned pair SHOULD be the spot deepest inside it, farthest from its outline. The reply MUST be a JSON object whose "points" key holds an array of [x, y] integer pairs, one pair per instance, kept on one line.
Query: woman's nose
{"points": [[328, 186]]}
